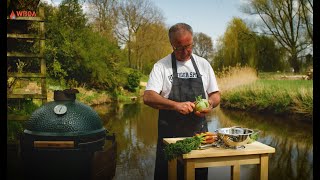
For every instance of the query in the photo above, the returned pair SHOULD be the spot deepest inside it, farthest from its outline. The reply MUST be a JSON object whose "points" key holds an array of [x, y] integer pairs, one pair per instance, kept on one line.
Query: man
{"points": [[174, 83]]}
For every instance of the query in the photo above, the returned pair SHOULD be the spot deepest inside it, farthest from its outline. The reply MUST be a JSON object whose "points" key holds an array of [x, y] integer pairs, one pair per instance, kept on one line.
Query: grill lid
{"points": [[64, 117]]}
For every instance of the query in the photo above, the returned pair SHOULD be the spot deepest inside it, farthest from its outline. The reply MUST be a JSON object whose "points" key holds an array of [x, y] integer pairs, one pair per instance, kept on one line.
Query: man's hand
{"points": [[214, 101], [185, 107], [203, 112]]}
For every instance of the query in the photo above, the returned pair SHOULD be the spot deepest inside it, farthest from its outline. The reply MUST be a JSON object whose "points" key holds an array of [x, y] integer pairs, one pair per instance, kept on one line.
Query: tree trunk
{"points": [[129, 56], [295, 63]]}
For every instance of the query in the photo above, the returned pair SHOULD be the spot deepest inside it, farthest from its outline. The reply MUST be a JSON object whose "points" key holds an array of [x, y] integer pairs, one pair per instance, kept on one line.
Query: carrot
{"points": [[209, 141], [210, 134], [208, 138]]}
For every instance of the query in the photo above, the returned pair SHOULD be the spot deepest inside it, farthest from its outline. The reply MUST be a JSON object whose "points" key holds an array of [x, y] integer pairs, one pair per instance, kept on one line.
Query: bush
{"points": [[14, 130], [133, 80], [21, 106]]}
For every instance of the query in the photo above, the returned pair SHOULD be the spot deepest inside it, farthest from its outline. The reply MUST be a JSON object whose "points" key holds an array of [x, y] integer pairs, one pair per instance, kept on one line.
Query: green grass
{"points": [[144, 78], [22, 107], [14, 129], [275, 96], [270, 75]]}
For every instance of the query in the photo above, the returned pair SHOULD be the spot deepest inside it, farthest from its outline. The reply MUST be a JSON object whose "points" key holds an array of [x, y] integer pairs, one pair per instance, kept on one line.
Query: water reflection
{"points": [[135, 126], [104, 162], [292, 140]]}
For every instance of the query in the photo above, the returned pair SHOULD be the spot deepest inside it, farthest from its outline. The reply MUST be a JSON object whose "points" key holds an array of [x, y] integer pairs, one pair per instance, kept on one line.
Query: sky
{"points": [[210, 17]]}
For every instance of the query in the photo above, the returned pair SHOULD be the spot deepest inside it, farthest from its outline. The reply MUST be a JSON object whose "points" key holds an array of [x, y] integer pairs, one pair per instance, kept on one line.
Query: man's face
{"points": [[182, 46]]}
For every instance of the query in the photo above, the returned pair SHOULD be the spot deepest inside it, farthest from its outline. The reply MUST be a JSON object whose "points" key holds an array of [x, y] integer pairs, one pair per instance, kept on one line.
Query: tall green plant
{"points": [[133, 80], [58, 72]]}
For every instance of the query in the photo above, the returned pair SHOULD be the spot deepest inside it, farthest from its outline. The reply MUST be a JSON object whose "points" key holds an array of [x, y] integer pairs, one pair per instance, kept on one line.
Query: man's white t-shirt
{"points": [[160, 78]]}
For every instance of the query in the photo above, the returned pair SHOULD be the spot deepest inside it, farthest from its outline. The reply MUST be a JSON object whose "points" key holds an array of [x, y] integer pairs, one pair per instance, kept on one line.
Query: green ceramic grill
{"points": [[64, 123]]}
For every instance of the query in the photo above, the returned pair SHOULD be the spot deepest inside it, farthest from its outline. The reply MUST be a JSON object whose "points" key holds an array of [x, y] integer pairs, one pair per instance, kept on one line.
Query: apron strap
{"points": [[175, 73], [198, 74]]}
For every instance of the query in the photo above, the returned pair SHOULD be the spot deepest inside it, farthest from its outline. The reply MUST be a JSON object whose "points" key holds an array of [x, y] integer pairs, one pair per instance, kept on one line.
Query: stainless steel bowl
{"points": [[234, 136]]}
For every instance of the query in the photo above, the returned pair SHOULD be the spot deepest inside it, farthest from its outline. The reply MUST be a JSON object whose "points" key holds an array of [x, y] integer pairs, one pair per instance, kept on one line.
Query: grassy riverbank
{"points": [[282, 97], [94, 97]]}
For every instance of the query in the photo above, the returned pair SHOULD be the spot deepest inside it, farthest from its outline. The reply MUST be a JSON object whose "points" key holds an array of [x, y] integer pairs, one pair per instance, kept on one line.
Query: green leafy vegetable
{"points": [[201, 104], [186, 145], [181, 147]]}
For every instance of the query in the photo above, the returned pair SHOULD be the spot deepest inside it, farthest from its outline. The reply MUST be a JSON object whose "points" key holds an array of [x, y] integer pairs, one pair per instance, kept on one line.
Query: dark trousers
{"points": [[161, 168]]}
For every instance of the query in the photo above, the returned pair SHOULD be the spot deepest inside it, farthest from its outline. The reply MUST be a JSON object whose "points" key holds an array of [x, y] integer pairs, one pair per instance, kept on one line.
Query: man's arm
{"points": [[214, 99], [155, 100]]}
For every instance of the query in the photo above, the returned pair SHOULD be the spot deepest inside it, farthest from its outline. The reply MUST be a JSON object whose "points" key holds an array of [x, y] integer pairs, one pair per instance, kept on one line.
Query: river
{"points": [[135, 127]]}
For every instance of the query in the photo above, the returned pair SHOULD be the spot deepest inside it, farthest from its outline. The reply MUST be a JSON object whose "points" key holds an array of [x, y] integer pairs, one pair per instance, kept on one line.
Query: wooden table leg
{"points": [[172, 169], [189, 170], [264, 158], [235, 172]]}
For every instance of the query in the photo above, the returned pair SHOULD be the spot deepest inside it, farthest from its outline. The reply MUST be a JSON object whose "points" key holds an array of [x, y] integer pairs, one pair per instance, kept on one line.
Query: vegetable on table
{"points": [[186, 145], [253, 137], [201, 104]]}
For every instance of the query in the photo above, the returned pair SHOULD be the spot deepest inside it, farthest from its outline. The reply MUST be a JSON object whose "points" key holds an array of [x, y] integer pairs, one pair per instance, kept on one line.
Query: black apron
{"points": [[174, 124]]}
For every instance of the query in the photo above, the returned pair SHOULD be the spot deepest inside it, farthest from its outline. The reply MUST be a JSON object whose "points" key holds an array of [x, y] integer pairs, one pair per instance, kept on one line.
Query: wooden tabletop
{"points": [[252, 148]]}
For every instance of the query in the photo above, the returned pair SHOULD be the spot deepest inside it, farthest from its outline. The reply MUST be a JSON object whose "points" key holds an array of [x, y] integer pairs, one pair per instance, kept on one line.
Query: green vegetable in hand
{"points": [[201, 104]]}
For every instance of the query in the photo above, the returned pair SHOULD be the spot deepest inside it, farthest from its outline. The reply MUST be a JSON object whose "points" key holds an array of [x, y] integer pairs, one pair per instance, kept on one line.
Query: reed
{"points": [[232, 77], [302, 102]]}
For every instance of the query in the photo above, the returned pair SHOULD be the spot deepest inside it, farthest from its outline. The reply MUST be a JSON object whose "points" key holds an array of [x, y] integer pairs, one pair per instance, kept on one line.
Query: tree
{"points": [[284, 21], [268, 55], [103, 15], [202, 45], [217, 56], [307, 16], [68, 24], [238, 44], [132, 15], [77, 52], [101, 62], [71, 14], [241, 46], [152, 43]]}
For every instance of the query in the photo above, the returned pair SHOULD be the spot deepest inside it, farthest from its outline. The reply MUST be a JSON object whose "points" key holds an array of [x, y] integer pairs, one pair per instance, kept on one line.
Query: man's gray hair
{"points": [[179, 27]]}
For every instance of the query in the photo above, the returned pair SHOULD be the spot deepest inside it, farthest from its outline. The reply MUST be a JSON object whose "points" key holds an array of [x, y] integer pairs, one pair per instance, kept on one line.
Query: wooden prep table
{"points": [[254, 153]]}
